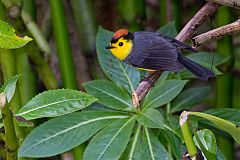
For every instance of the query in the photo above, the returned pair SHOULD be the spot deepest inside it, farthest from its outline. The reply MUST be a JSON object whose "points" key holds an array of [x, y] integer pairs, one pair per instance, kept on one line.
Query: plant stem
{"points": [[8, 68], [3, 154], [163, 13], [177, 13], [85, 23], [224, 82], [46, 26], [28, 82], [63, 44], [187, 135], [11, 142], [64, 55], [10, 134], [42, 66], [36, 32], [30, 7]]}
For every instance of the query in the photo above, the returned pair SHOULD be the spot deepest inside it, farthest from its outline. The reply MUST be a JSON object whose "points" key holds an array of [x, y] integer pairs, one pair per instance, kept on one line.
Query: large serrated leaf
{"points": [[9, 87], [163, 93], [148, 147], [111, 141], [109, 94], [189, 97], [205, 140], [151, 118], [54, 103], [116, 70], [8, 39], [222, 124], [64, 133]]}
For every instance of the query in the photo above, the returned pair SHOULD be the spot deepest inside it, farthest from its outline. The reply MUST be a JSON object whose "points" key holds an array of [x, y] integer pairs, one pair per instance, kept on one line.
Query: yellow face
{"points": [[122, 48]]}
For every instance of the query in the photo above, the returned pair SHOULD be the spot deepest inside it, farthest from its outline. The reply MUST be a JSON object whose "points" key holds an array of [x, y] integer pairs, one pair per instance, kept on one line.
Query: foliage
{"points": [[9, 87], [122, 131], [8, 39], [103, 123], [62, 101], [222, 124], [205, 140]]}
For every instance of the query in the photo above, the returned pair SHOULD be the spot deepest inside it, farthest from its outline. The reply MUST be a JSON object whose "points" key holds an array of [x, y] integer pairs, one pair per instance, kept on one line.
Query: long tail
{"points": [[198, 70]]}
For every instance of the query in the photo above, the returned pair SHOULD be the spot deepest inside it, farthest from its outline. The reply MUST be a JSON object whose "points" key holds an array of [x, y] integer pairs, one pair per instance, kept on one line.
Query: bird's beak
{"points": [[110, 47]]}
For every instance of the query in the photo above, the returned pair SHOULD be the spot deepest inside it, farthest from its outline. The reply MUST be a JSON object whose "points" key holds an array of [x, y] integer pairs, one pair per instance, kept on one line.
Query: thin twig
{"points": [[230, 3], [218, 33], [199, 18], [207, 10]]}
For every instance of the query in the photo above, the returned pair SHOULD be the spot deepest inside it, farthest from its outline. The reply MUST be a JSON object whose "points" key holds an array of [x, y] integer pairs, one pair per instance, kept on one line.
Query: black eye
{"points": [[120, 44]]}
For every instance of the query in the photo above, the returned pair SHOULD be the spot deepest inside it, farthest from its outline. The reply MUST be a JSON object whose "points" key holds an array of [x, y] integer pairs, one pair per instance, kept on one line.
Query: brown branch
{"points": [[218, 33], [144, 87], [230, 3], [207, 10], [199, 18]]}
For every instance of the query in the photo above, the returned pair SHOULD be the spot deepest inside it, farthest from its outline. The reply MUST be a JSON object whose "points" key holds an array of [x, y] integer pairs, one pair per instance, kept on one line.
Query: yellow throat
{"points": [[122, 48]]}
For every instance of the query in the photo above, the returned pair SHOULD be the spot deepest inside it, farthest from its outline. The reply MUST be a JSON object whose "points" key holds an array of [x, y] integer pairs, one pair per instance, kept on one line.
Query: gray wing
{"points": [[152, 51]]}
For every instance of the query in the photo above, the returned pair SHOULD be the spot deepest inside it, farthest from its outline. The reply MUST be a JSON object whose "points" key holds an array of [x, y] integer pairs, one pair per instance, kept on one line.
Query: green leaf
{"points": [[1, 125], [231, 114], [148, 147], [163, 93], [205, 58], [64, 133], [9, 87], [171, 123], [169, 30], [189, 97], [205, 140], [111, 141], [175, 143], [128, 153], [151, 118], [23, 122], [8, 39], [162, 78], [116, 70], [222, 124], [220, 155], [54, 103], [109, 94]]}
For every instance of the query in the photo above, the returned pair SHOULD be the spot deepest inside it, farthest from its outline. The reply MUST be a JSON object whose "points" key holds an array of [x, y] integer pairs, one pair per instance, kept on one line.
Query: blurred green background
{"points": [[63, 53]]}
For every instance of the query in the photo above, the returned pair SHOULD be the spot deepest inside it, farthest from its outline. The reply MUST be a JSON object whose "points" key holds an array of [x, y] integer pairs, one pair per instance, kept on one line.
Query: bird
{"points": [[153, 51]]}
